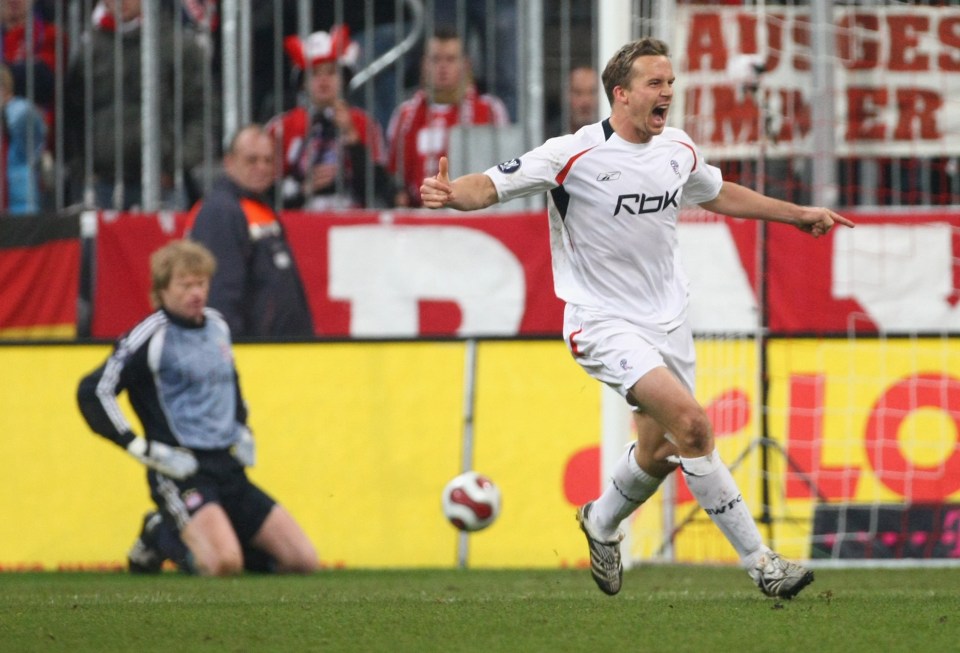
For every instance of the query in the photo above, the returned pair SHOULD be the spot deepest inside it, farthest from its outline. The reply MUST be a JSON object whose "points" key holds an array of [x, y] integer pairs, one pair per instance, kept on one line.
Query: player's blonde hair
{"points": [[177, 255], [619, 69]]}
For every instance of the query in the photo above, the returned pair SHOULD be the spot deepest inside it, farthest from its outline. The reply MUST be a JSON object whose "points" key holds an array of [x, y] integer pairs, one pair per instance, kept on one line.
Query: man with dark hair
{"points": [[614, 191], [582, 102], [257, 287], [418, 134]]}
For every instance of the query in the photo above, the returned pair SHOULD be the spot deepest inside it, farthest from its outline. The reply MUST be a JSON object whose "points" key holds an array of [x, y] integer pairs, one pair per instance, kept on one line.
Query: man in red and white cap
{"points": [[329, 148]]}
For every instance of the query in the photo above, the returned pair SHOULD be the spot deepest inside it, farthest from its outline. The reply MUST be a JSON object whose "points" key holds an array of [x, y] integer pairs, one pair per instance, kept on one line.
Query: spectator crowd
{"points": [[335, 147]]}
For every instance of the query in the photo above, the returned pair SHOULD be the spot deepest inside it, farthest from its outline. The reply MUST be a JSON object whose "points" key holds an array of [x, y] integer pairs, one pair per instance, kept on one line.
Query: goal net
{"points": [[846, 444], [830, 368]]}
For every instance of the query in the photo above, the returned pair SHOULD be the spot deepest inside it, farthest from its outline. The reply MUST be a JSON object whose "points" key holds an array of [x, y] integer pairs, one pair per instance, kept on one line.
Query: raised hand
{"points": [[436, 192]]}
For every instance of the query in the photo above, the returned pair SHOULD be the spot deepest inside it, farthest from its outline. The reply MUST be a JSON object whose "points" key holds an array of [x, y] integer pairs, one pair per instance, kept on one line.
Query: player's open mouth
{"points": [[660, 113]]}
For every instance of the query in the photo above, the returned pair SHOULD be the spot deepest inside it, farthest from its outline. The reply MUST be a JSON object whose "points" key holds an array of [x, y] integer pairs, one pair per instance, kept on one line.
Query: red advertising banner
{"points": [[369, 274], [383, 275], [892, 273], [124, 242]]}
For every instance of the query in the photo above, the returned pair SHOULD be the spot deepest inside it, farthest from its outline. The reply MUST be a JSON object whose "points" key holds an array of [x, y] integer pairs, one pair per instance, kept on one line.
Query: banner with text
{"points": [[372, 275], [896, 79]]}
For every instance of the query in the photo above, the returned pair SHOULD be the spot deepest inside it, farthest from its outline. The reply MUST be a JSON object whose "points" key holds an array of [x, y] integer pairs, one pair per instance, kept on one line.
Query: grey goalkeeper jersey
{"points": [[180, 379]]}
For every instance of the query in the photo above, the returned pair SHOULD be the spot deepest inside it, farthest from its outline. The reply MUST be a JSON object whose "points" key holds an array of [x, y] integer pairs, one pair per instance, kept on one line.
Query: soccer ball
{"points": [[471, 501]]}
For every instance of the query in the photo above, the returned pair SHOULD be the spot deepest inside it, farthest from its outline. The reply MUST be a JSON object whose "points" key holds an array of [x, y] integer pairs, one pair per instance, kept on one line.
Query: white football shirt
{"points": [[613, 208]]}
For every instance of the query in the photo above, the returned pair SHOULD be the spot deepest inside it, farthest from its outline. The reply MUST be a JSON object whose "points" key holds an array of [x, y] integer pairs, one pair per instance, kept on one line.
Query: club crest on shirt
{"points": [[192, 499], [508, 167], [675, 166]]}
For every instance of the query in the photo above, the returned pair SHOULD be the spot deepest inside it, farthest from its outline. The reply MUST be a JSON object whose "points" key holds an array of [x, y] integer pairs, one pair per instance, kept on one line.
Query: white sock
{"points": [[713, 486], [629, 487]]}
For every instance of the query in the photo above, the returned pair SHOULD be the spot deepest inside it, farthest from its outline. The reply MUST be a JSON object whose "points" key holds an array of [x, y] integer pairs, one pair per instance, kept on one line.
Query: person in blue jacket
{"points": [[23, 143]]}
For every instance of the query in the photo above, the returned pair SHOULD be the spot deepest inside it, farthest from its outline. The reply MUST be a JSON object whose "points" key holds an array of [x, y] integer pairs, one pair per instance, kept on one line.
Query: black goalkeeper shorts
{"points": [[220, 479]]}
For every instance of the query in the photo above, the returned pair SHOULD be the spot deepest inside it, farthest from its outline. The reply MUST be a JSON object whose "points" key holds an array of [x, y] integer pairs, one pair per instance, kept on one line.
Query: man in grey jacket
{"points": [[110, 54]]}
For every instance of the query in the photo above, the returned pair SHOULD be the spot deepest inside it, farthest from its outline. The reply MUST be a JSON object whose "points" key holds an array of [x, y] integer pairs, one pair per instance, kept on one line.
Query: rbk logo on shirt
{"points": [[635, 203]]}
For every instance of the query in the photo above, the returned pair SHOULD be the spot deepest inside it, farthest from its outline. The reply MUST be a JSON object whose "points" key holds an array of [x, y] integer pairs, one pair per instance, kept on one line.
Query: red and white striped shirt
{"points": [[418, 133]]}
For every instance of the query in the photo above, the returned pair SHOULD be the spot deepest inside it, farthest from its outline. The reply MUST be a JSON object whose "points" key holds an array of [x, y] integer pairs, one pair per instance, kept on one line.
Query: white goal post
{"points": [[830, 368]]}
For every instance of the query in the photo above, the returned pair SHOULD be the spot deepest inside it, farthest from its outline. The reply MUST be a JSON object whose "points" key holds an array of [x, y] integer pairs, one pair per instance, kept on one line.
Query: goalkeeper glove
{"points": [[245, 450], [174, 462]]}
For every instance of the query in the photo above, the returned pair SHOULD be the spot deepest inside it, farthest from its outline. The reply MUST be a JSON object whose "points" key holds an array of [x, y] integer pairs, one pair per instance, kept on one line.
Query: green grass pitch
{"points": [[661, 608]]}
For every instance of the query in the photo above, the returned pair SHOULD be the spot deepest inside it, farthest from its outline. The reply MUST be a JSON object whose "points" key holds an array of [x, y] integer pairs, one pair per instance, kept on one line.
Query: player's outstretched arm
{"points": [[741, 202], [466, 193]]}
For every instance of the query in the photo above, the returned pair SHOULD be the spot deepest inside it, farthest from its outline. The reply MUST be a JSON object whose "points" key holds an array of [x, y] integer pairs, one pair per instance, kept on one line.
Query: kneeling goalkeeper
{"points": [[178, 370]]}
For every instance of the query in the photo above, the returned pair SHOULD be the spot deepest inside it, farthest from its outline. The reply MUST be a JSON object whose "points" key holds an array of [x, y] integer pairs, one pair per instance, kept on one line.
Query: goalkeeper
{"points": [[178, 371]]}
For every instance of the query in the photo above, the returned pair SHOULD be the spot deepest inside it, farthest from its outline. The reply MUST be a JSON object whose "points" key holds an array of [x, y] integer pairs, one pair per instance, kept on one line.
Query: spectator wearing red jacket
{"points": [[32, 61], [330, 149], [418, 134]]}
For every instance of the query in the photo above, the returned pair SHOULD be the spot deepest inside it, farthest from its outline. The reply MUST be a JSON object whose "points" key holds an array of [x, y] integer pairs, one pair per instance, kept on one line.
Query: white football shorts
{"points": [[618, 353]]}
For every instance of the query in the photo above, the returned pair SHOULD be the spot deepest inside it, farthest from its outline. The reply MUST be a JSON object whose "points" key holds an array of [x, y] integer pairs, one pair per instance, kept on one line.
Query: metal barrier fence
{"points": [[846, 104], [137, 109]]}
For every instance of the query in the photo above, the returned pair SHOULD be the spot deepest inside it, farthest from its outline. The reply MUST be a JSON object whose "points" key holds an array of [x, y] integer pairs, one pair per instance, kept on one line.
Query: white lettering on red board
{"points": [[385, 271], [902, 275]]}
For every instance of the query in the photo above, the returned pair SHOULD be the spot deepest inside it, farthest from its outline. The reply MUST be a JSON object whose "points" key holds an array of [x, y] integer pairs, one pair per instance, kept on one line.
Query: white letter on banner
{"points": [[902, 275], [383, 271], [721, 298]]}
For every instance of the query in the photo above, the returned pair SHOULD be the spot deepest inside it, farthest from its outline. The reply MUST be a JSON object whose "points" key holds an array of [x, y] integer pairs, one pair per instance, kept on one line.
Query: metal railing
{"points": [[199, 77], [227, 70]]}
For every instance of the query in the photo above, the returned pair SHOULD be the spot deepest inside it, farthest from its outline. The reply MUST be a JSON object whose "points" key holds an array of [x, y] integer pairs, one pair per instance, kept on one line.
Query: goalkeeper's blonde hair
{"points": [[184, 255]]}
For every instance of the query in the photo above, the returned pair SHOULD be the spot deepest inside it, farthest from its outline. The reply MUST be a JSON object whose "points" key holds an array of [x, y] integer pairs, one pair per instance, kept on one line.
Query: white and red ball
{"points": [[471, 501]]}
